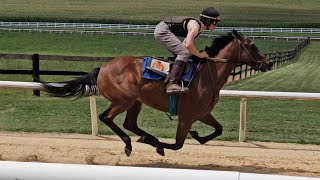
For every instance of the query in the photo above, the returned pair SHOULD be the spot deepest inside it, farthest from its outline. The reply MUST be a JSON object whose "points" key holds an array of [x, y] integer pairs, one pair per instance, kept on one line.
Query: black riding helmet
{"points": [[209, 16]]}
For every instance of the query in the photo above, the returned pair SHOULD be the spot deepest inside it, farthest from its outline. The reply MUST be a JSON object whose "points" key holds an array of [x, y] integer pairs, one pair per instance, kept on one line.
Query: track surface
{"points": [[253, 157]]}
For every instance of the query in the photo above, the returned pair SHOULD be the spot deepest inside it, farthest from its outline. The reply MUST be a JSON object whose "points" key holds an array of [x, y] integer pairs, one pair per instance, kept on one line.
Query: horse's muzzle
{"points": [[264, 65]]}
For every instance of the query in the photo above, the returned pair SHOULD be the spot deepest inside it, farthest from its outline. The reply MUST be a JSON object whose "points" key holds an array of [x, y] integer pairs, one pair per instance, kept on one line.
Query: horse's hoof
{"points": [[141, 139], [160, 151], [128, 151], [194, 133]]}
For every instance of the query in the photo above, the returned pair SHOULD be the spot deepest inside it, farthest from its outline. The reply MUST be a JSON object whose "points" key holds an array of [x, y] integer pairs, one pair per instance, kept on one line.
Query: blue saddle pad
{"points": [[149, 73]]}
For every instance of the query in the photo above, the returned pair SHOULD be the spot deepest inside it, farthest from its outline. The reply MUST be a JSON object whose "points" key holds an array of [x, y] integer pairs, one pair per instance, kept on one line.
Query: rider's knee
{"points": [[183, 56]]}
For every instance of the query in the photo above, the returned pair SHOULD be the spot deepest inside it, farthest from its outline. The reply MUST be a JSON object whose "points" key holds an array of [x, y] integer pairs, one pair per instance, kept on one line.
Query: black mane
{"points": [[217, 44]]}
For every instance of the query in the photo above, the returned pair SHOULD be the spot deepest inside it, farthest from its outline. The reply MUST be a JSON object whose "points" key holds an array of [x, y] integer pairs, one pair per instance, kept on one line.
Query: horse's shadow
{"points": [[242, 168], [256, 145]]}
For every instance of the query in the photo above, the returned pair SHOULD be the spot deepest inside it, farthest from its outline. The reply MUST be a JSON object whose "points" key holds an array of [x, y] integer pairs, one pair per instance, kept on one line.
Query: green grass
{"points": [[302, 76], [265, 13], [90, 45], [268, 120], [103, 45]]}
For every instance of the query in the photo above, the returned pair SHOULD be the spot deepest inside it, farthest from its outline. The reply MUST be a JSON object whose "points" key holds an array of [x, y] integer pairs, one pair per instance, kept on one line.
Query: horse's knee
{"points": [[219, 130], [128, 127], [129, 124], [103, 117]]}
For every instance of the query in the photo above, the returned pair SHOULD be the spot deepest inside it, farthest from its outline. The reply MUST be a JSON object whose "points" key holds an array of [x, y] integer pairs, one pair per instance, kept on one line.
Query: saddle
{"points": [[159, 69]]}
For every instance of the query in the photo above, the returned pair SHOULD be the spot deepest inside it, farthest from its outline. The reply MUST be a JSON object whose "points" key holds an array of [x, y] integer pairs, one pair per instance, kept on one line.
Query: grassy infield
{"points": [[268, 120], [234, 12]]}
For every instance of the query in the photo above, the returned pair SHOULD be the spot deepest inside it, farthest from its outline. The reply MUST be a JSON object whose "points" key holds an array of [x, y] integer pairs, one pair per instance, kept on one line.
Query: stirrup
{"points": [[183, 88], [173, 91]]}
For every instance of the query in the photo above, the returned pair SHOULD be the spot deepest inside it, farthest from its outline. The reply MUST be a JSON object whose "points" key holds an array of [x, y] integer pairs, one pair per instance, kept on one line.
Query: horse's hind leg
{"points": [[211, 121], [130, 124], [107, 117]]}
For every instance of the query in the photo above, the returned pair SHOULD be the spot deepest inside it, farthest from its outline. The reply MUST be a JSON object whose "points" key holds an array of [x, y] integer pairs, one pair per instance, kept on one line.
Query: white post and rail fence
{"points": [[243, 95], [34, 170]]}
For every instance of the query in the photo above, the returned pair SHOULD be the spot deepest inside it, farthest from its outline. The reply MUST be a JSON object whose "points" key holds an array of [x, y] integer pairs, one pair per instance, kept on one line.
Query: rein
{"points": [[223, 60]]}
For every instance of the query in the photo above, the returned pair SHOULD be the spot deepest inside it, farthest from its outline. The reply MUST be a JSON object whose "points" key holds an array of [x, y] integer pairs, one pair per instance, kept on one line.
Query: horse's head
{"points": [[246, 51], [250, 54]]}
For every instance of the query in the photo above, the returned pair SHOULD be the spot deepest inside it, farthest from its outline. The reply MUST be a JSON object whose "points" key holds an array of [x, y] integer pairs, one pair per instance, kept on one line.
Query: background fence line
{"points": [[130, 33], [240, 72], [151, 27]]}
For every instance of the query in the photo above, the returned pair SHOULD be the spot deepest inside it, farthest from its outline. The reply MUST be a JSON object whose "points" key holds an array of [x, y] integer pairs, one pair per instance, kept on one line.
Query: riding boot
{"points": [[175, 77]]}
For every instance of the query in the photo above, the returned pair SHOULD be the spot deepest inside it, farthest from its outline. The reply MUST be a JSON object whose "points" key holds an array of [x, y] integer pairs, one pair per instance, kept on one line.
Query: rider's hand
{"points": [[203, 54]]}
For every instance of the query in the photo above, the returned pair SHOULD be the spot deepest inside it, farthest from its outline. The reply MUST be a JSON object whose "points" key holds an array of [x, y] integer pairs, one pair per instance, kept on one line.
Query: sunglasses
{"points": [[215, 21]]}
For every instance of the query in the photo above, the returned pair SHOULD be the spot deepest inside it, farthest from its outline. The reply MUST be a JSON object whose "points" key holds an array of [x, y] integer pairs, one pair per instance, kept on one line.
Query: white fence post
{"points": [[243, 119], [93, 110], [227, 93]]}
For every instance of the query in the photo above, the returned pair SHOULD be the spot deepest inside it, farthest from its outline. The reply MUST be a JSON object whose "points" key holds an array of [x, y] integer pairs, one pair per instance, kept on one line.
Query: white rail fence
{"points": [[228, 93], [52, 171], [126, 33], [151, 27]]}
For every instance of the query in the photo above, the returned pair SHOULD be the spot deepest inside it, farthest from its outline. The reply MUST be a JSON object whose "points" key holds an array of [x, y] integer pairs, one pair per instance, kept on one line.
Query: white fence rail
{"points": [[124, 33], [52, 171], [151, 27], [229, 93]]}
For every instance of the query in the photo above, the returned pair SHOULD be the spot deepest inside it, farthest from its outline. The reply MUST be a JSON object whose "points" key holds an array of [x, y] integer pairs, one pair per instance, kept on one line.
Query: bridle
{"points": [[240, 45]]}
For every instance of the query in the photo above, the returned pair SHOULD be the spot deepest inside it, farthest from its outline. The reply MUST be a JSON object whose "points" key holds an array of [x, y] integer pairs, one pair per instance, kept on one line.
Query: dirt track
{"points": [[256, 157]]}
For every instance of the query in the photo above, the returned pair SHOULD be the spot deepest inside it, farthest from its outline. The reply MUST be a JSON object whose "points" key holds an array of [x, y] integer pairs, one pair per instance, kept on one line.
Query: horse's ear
{"points": [[234, 32], [237, 34]]}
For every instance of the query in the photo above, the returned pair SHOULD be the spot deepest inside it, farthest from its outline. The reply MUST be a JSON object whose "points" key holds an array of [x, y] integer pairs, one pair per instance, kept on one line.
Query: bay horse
{"points": [[120, 81]]}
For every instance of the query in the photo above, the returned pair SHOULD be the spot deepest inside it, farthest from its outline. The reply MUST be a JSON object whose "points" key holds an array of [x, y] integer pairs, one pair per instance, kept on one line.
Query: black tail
{"points": [[81, 87]]}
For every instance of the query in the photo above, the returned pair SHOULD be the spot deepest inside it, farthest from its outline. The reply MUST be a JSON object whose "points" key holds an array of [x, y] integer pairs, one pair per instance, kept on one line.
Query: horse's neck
{"points": [[222, 70]]}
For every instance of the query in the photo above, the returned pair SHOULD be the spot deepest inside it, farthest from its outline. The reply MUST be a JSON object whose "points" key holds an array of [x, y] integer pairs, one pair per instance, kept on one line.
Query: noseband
{"points": [[259, 63]]}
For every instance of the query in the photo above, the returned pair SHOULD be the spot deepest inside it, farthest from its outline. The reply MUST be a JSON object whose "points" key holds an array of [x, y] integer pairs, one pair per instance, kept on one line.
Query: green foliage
{"points": [[250, 13], [302, 76], [103, 45]]}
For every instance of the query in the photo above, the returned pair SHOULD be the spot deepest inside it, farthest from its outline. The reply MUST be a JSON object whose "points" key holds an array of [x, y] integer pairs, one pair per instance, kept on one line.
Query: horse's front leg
{"points": [[183, 128], [211, 121], [130, 124]]}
